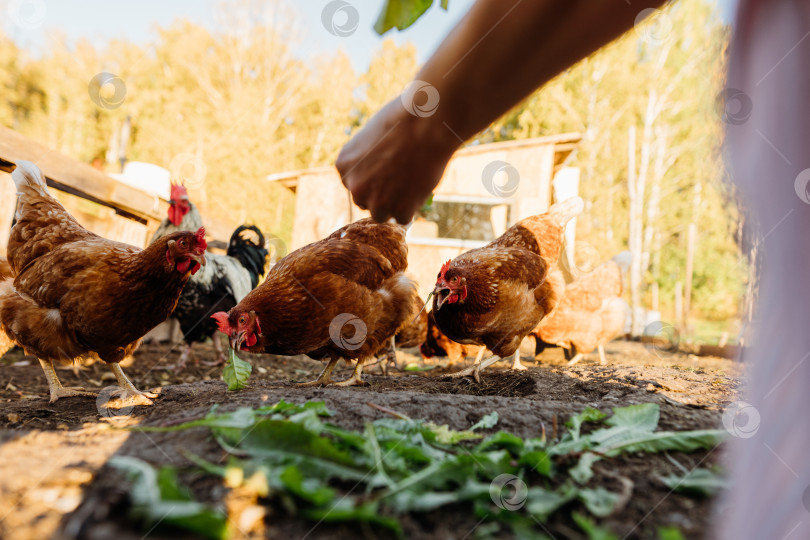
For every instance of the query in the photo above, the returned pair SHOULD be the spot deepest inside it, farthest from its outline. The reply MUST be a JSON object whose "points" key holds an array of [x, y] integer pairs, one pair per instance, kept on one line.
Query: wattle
{"points": [[251, 340], [183, 265], [175, 215]]}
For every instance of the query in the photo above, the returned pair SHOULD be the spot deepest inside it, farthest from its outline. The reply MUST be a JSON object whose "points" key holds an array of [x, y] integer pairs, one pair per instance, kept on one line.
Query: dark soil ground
{"points": [[53, 480]]}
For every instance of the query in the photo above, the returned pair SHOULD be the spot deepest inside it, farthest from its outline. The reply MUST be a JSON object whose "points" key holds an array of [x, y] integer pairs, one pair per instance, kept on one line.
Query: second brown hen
{"points": [[343, 297], [497, 294]]}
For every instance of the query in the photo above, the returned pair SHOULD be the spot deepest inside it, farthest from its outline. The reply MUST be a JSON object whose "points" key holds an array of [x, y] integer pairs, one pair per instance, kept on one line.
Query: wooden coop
{"points": [[102, 204], [485, 189]]}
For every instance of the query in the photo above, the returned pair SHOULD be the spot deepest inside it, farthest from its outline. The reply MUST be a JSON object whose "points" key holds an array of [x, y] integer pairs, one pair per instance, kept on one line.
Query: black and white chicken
{"points": [[219, 286]]}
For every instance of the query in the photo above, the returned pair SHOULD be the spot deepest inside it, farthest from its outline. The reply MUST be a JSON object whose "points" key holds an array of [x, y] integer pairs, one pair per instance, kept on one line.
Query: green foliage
{"points": [[401, 465], [236, 372], [697, 482], [158, 499], [400, 14]]}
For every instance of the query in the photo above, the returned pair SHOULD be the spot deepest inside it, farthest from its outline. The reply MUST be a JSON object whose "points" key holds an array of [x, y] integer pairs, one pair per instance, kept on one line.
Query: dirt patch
{"points": [[52, 456]]}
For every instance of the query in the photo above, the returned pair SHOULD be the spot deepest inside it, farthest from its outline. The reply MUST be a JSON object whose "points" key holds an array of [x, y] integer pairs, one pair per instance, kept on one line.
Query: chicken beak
{"points": [[440, 298], [199, 258], [235, 341]]}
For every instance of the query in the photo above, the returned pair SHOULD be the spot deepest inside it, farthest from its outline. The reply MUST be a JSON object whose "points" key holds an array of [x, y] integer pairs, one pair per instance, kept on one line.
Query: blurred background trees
{"points": [[241, 102]]}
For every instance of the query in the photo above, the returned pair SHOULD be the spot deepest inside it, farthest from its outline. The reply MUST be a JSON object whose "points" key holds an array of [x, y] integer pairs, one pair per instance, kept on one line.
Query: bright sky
{"points": [[100, 20], [135, 20]]}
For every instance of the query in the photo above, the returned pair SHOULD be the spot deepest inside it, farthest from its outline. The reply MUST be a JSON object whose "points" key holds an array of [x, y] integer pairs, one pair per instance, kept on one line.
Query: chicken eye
{"points": [[183, 243], [242, 320]]}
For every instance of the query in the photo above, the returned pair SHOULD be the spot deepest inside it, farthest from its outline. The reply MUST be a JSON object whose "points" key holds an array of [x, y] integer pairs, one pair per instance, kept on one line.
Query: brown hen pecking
{"points": [[343, 297], [497, 294], [76, 294]]}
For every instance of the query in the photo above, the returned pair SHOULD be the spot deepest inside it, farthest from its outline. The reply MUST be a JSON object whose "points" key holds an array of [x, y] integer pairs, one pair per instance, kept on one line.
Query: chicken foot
{"points": [[477, 367], [129, 394], [577, 357], [357, 376], [55, 387], [325, 378]]}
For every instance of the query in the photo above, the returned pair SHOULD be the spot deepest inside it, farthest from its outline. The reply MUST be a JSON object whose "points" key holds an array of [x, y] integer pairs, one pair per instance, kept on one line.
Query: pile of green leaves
{"points": [[397, 465]]}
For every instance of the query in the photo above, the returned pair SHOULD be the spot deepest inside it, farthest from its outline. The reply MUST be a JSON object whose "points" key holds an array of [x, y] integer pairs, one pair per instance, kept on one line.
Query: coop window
{"points": [[462, 218]]}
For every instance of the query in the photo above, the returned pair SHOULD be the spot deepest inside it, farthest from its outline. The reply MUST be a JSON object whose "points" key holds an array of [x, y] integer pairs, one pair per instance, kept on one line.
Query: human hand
{"points": [[392, 165]]}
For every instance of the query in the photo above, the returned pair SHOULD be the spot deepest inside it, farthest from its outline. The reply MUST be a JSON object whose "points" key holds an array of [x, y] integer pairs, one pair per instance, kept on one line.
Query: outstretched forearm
{"points": [[498, 54], [501, 51]]}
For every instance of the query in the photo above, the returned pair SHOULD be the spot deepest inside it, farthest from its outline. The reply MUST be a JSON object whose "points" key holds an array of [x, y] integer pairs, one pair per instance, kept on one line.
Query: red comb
{"points": [[178, 192], [445, 268], [201, 238], [222, 322]]}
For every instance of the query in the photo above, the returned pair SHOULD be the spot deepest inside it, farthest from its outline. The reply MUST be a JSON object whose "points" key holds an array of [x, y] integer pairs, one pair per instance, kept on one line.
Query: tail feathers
{"points": [[565, 211], [403, 298], [28, 174], [250, 252]]}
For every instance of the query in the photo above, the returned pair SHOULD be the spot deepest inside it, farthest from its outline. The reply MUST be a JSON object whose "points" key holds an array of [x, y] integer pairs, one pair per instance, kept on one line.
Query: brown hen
{"points": [[438, 344], [497, 294], [591, 312], [343, 297], [6, 282], [76, 294]]}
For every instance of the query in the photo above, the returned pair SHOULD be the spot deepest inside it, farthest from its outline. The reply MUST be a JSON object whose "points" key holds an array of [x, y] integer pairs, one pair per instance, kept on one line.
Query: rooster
{"points": [[183, 215], [591, 312], [76, 294], [222, 284], [496, 295], [342, 297]]}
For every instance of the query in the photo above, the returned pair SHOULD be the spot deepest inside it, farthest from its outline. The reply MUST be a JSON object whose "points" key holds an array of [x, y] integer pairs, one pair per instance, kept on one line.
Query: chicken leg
{"points": [[222, 358], [129, 394], [602, 359], [55, 387], [184, 356], [357, 376], [390, 357], [477, 367], [325, 378], [516, 362]]}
